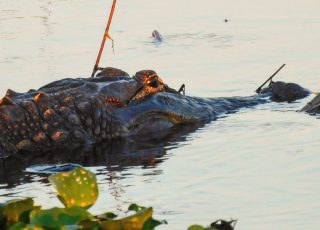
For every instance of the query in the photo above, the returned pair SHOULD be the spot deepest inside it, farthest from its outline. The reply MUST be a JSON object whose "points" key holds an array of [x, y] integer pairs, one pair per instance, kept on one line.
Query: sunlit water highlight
{"points": [[260, 165]]}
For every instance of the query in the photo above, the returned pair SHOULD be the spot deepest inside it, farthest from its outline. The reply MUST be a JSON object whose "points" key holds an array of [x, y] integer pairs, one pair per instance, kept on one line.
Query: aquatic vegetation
{"points": [[217, 225], [78, 191]]}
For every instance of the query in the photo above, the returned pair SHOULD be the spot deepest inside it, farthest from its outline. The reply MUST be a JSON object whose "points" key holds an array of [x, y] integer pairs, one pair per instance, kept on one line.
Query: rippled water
{"points": [[260, 165]]}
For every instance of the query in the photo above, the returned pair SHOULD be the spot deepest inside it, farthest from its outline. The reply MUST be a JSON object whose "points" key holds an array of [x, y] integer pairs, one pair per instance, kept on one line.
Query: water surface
{"points": [[260, 165]]}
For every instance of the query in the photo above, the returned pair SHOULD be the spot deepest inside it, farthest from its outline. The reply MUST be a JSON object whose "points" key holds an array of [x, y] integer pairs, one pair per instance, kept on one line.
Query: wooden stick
{"points": [[105, 36], [269, 79]]}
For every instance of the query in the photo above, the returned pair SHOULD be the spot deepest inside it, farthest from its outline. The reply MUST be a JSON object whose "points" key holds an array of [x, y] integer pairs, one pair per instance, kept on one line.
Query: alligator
{"points": [[77, 112]]}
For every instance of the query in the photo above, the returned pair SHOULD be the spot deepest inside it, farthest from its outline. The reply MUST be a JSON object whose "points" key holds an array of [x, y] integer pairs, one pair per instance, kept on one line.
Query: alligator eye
{"points": [[153, 81]]}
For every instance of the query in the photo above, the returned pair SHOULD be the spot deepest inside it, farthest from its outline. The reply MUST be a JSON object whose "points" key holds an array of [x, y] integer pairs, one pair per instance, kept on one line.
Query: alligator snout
{"points": [[287, 92]]}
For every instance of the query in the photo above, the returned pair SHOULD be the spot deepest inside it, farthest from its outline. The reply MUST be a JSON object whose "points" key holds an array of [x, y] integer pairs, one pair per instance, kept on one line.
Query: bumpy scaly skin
{"points": [[66, 112], [73, 112]]}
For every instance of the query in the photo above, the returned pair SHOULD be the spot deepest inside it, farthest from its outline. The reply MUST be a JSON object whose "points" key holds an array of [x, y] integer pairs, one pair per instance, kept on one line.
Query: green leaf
{"points": [[196, 227], [58, 217], [17, 210], [199, 227], [136, 208], [18, 226], [133, 222], [89, 224], [77, 188], [1, 214], [151, 224], [106, 216], [24, 226]]}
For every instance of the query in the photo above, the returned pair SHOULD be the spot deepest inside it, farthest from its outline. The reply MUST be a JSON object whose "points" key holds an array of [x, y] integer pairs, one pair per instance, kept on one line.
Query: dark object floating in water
{"points": [[217, 225], [226, 20], [157, 36], [224, 225], [51, 169]]}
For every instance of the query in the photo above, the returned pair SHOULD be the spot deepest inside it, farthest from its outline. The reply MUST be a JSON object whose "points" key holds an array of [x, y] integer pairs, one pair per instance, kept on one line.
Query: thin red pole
{"points": [[105, 36]]}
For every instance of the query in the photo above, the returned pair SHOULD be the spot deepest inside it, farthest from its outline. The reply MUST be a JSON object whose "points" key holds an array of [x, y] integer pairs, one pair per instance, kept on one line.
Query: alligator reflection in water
{"points": [[115, 155]]}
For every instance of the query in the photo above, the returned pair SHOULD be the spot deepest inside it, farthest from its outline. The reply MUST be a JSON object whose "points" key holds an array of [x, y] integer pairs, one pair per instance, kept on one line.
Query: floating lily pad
{"points": [[21, 225], [56, 218], [199, 227], [94, 223], [150, 223], [17, 210], [77, 188], [133, 222]]}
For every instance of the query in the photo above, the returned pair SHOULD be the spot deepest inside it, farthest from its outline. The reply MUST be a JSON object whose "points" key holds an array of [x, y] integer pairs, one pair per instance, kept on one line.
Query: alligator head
{"points": [[72, 112]]}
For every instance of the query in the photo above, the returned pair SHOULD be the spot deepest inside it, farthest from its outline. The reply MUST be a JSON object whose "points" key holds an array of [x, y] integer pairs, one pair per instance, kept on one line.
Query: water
{"points": [[260, 165]]}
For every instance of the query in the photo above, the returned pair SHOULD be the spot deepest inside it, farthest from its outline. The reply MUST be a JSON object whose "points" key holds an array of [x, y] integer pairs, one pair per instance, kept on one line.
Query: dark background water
{"points": [[260, 166]]}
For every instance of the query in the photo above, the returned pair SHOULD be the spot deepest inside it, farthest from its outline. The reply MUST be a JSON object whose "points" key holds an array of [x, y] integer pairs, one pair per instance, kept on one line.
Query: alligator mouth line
{"points": [[159, 120], [134, 95]]}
